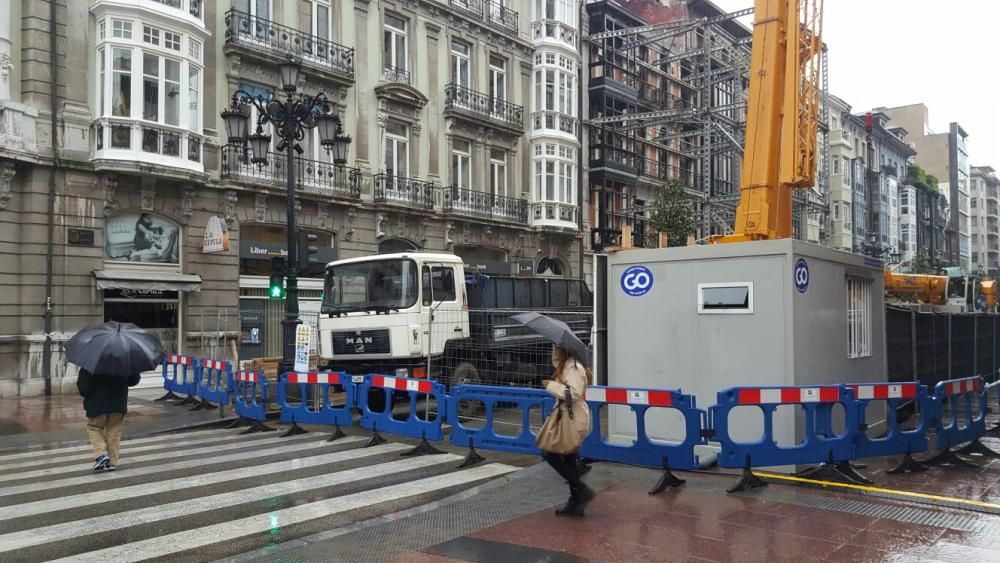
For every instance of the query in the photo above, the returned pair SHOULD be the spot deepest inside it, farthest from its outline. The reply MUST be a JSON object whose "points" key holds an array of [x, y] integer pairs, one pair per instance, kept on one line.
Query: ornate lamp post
{"points": [[290, 118]]}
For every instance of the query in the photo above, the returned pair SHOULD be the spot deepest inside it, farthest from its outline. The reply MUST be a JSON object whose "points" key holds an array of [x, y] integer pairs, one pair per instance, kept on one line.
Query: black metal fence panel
{"points": [[933, 347]]}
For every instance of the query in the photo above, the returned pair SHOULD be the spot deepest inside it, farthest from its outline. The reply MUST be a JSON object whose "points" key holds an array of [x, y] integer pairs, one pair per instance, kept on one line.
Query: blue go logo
{"points": [[801, 275], [637, 280]]}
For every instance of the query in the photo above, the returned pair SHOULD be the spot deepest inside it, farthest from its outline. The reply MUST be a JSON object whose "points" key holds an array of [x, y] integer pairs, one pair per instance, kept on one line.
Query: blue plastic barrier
{"points": [[819, 445], [180, 375], [215, 381], [323, 412], [968, 403], [895, 441], [250, 395], [414, 426], [643, 451], [486, 437]]}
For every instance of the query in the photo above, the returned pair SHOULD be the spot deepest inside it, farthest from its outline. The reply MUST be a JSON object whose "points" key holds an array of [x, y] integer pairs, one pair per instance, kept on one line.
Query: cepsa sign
{"points": [[637, 280]]}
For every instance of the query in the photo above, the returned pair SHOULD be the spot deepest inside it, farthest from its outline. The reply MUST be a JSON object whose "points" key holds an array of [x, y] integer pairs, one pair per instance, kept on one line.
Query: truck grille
{"points": [[361, 342]]}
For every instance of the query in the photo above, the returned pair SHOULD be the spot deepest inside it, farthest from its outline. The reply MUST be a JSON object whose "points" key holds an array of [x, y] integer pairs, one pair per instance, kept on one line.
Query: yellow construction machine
{"points": [[951, 292]]}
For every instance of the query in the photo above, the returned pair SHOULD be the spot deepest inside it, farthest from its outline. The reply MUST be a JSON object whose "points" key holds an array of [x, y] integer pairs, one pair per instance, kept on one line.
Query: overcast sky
{"points": [[897, 52]]}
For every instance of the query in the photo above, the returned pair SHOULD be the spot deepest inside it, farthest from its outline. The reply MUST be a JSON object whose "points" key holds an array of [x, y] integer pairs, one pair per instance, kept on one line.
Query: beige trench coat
{"points": [[575, 378]]}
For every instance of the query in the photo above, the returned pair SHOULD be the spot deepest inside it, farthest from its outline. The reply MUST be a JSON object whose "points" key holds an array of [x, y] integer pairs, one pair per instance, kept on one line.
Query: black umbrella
{"points": [[120, 349], [558, 332]]}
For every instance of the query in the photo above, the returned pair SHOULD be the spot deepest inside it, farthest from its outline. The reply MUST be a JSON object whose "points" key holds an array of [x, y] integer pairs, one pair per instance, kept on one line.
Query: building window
{"points": [[150, 35], [498, 80], [101, 29], [498, 172], [194, 50], [121, 29], [194, 107], [171, 41], [154, 89], [555, 177], [100, 81], [322, 23], [836, 165], [397, 142], [461, 164], [121, 101], [394, 42], [460, 63], [859, 318]]}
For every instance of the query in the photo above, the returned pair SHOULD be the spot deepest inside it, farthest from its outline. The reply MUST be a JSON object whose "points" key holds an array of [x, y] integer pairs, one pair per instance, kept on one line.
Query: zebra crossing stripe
{"points": [[207, 450], [129, 448], [5, 458], [262, 523], [106, 522], [15, 511], [129, 473]]}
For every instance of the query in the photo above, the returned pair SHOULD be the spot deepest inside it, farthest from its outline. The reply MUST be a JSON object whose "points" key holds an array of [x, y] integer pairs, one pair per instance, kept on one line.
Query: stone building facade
{"points": [[156, 219]]}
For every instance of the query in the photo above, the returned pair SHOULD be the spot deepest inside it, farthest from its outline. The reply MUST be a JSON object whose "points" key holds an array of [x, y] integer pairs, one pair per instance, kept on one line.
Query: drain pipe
{"points": [[49, 247], [580, 82]]}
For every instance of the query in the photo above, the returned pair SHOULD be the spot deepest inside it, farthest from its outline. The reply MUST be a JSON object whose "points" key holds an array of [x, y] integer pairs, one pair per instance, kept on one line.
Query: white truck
{"points": [[389, 313]]}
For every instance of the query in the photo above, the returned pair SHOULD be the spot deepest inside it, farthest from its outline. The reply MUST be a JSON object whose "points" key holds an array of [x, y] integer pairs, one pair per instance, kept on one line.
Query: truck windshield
{"points": [[380, 286]]}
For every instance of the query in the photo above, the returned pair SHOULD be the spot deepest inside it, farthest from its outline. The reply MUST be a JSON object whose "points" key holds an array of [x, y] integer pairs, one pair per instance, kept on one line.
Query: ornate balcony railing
{"points": [[407, 192], [473, 7], [263, 35], [482, 205], [312, 176], [553, 120], [395, 74], [553, 211], [500, 15], [461, 99], [127, 139]]}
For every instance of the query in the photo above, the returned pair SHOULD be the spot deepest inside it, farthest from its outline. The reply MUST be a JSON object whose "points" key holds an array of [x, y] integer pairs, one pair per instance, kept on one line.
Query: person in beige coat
{"points": [[570, 374]]}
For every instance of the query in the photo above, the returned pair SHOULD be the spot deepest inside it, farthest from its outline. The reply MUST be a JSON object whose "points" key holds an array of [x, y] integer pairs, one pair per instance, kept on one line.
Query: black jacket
{"points": [[104, 394]]}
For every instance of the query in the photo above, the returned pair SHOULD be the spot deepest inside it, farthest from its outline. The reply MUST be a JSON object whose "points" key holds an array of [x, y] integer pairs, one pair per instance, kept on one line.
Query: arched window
{"points": [[394, 245], [550, 266]]}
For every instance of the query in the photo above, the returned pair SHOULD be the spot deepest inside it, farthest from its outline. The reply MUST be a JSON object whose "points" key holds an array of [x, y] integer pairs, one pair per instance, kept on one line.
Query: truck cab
{"points": [[389, 313]]}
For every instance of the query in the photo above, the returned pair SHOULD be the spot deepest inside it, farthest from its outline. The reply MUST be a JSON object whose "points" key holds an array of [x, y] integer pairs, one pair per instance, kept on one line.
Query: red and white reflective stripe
{"points": [[967, 385], [789, 395], [247, 376], [314, 378], [402, 384], [885, 391], [180, 360], [213, 364], [614, 396]]}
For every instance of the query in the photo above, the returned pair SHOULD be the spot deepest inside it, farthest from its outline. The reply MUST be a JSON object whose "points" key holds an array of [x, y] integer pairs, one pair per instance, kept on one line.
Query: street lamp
{"points": [[290, 118]]}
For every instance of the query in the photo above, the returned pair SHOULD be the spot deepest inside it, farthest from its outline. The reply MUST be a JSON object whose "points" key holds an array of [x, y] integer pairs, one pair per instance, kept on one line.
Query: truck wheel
{"points": [[465, 373]]}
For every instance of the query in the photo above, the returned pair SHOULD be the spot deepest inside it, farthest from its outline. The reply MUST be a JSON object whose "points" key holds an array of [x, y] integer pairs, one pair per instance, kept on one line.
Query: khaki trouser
{"points": [[105, 433]]}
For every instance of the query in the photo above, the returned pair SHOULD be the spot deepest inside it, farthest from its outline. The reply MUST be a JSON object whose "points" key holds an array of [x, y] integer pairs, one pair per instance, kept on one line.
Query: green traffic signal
{"points": [[276, 286], [277, 290]]}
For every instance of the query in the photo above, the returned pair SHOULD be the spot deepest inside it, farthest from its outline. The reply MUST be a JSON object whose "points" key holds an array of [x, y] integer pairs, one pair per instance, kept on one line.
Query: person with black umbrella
{"points": [[570, 421], [111, 356]]}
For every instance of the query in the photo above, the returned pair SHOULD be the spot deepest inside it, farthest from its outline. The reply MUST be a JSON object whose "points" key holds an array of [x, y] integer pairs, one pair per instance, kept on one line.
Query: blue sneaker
{"points": [[101, 462], [110, 467]]}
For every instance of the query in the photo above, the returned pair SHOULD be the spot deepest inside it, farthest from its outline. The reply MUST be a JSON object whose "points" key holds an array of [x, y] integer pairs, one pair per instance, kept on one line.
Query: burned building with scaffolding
{"points": [[667, 101]]}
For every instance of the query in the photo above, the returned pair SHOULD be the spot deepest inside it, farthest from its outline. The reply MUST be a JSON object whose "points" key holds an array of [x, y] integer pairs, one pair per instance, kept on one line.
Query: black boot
{"points": [[583, 496], [570, 507]]}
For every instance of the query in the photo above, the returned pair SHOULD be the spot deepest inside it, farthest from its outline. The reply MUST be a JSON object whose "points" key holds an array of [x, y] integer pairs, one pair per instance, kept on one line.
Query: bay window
{"points": [[555, 174]]}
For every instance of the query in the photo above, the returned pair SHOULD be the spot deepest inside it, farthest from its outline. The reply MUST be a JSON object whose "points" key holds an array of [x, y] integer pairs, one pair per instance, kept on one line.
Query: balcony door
{"points": [[254, 18], [397, 142], [498, 84], [322, 28]]}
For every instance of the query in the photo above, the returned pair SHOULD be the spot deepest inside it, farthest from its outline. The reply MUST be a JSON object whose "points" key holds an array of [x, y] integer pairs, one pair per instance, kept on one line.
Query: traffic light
{"points": [[276, 287], [308, 259]]}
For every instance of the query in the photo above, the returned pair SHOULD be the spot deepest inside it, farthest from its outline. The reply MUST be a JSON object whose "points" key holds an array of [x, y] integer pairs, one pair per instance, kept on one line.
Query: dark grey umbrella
{"points": [[113, 348], [558, 332]]}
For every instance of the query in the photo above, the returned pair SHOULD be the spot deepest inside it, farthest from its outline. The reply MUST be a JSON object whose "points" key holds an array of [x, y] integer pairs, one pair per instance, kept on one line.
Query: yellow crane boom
{"points": [[782, 117]]}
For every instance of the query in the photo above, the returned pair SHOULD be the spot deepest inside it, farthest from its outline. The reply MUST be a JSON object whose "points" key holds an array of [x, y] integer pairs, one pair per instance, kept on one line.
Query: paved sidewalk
{"points": [[49, 421]]}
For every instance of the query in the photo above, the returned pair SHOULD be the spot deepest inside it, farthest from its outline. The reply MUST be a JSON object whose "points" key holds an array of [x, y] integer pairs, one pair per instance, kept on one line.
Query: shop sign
{"points": [[216, 236], [488, 267], [259, 250], [526, 268], [140, 294]]}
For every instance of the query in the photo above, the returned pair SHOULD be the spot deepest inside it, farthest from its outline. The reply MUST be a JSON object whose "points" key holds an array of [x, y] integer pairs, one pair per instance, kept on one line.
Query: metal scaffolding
{"points": [[705, 59]]}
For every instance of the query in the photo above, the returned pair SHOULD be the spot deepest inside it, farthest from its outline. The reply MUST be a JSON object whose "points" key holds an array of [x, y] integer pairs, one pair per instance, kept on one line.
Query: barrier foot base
{"points": [[337, 434], [667, 480], [258, 426], [948, 457], [202, 405], [375, 440], [189, 400], [977, 448], [237, 423], [908, 465], [851, 472], [471, 458], [831, 472], [295, 430], [423, 448], [168, 397], [995, 431], [747, 481]]}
